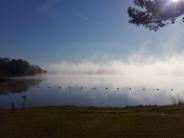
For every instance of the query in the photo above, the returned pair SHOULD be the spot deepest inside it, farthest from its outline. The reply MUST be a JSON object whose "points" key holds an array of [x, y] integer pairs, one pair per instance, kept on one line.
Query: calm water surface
{"points": [[90, 90]]}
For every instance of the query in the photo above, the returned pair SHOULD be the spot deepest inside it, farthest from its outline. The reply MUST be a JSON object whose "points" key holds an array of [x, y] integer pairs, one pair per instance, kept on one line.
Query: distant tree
{"points": [[155, 14], [18, 67]]}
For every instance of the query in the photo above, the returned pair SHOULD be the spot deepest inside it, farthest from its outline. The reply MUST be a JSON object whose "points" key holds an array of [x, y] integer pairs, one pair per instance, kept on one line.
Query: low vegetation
{"points": [[76, 122]]}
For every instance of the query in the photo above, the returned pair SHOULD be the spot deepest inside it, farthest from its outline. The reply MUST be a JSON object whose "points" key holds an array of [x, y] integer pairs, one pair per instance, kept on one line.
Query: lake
{"points": [[90, 90]]}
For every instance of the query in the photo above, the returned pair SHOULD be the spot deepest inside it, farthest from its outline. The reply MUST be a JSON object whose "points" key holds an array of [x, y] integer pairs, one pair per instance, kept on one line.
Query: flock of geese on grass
{"points": [[94, 88]]}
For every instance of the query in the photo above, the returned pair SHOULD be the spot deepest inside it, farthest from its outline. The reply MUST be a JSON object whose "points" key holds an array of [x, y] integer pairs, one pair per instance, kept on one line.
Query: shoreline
{"points": [[98, 107]]}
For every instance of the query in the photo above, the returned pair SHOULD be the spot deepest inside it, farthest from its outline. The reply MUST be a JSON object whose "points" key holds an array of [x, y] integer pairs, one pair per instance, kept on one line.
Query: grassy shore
{"points": [[76, 122]]}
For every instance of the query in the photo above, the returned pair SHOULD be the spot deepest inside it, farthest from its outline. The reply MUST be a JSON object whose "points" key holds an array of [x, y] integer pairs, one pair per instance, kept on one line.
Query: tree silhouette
{"points": [[155, 14], [18, 67]]}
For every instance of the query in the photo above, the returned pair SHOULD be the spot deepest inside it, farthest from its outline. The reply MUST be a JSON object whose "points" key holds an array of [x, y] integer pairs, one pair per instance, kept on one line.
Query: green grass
{"points": [[75, 122]]}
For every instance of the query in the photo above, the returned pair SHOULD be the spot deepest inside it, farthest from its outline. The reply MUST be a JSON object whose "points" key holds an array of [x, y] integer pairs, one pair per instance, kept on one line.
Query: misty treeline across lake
{"points": [[101, 90], [18, 67]]}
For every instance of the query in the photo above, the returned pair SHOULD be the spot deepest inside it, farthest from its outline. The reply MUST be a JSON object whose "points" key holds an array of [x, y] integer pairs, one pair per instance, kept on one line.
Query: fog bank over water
{"points": [[135, 71], [114, 90], [98, 90], [137, 80]]}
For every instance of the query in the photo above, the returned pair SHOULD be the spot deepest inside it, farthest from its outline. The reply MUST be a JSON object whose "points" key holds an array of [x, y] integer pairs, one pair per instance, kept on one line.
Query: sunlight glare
{"points": [[175, 1]]}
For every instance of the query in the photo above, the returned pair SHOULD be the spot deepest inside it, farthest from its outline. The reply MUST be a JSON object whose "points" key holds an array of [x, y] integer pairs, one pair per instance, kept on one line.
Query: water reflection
{"points": [[90, 90], [18, 85]]}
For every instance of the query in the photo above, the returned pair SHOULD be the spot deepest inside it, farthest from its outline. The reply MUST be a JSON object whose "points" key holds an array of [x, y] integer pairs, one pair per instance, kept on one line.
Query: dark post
{"points": [[13, 108], [24, 98]]}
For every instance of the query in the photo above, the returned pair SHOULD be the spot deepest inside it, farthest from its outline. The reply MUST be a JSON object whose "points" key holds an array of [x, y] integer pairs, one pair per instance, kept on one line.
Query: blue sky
{"points": [[50, 31]]}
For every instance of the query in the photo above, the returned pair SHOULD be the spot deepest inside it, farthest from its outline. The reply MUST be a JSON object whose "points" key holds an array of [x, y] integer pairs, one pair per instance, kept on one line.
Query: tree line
{"points": [[18, 67]]}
